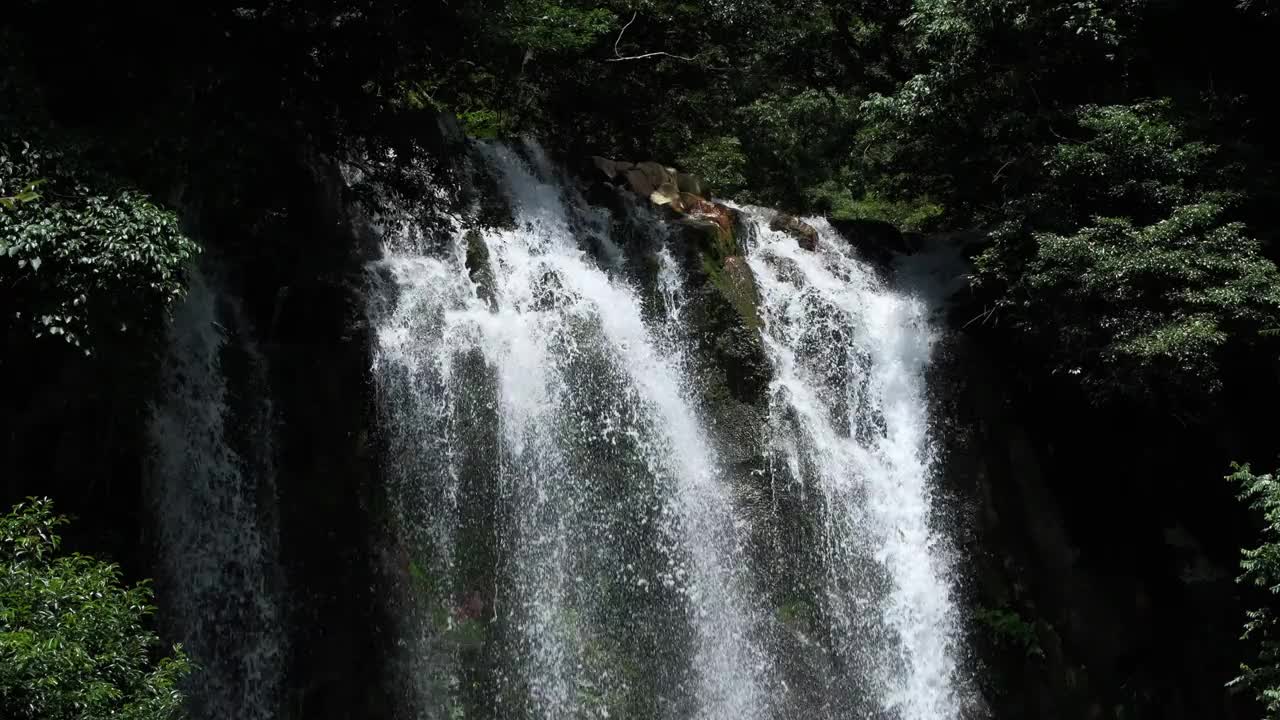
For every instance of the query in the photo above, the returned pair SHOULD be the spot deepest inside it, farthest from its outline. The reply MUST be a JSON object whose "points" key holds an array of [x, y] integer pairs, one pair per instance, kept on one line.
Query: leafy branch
{"points": [[26, 195]]}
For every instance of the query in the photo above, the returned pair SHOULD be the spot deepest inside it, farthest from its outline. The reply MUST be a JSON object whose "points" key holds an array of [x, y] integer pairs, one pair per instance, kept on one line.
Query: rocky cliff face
{"points": [[1095, 593]]}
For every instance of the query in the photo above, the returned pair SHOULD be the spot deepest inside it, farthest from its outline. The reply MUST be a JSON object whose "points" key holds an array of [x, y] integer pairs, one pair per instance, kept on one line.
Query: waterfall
{"points": [[848, 405], [212, 493], [573, 538], [617, 541]]}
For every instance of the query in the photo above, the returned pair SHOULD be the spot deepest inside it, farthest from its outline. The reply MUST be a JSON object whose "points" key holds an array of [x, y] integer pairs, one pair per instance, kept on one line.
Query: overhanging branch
{"points": [[619, 57]]}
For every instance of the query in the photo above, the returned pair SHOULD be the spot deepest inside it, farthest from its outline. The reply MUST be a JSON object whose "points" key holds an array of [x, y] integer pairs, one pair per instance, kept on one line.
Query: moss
{"points": [[1009, 627], [724, 267], [798, 615], [468, 634], [733, 279], [484, 124]]}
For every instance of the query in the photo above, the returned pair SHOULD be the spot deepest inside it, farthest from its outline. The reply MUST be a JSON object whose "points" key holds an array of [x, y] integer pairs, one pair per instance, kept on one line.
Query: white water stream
{"points": [[578, 377], [542, 399], [850, 356]]}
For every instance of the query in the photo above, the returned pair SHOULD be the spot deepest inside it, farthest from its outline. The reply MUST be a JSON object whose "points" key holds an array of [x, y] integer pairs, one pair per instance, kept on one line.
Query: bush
{"points": [[1261, 566], [72, 640], [81, 257]]}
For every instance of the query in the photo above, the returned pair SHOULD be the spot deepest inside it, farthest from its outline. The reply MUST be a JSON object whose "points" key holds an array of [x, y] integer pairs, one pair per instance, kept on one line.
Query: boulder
{"points": [[657, 174], [692, 184], [803, 232], [640, 182], [668, 194], [611, 169], [606, 166]]}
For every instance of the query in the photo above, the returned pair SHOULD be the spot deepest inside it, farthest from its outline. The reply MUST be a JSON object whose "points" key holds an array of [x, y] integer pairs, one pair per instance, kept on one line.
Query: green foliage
{"points": [[1261, 569], [1010, 628], [83, 258], [912, 215], [1129, 258], [551, 26], [27, 194], [73, 643], [798, 140], [720, 162], [482, 124]]}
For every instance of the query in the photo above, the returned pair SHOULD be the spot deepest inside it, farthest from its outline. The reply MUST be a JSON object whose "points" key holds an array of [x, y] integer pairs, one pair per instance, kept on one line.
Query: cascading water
{"points": [[575, 539], [849, 407], [211, 483], [616, 540]]}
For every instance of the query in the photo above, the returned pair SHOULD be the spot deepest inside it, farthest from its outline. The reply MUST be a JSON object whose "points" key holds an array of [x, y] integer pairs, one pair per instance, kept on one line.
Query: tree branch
{"points": [[616, 52], [619, 57], [652, 54]]}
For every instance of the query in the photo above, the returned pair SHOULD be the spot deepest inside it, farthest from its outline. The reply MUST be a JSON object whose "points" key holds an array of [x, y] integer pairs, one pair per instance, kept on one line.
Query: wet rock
{"points": [[477, 262], [710, 217], [550, 292], [657, 174], [803, 232], [661, 185], [739, 285]]}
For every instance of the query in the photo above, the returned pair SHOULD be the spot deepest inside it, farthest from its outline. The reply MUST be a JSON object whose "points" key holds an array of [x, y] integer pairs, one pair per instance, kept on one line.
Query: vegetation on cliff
{"points": [[73, 638], [88, 258]]}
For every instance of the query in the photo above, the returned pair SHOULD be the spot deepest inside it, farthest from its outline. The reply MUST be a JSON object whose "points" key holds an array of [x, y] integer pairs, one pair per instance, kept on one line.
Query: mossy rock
{"points": [[734, 280], [478, 268], [798, 615]]}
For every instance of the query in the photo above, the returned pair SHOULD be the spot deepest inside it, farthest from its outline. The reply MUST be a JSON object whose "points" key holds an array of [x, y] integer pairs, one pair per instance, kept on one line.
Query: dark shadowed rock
{"points": [[739, 285], [606, 166], [875, 240], [477, 263], [657, 174]]}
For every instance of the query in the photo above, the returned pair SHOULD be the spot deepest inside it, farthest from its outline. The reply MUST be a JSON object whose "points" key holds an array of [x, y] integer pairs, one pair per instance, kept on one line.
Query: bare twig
{"points": [[1000, 171], [619, 57], [984, 316], [616, 52]]}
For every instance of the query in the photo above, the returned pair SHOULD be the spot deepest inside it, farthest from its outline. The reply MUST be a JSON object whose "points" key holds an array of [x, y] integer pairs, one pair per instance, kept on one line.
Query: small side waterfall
{"points": [[213, 498], [850, 411]]}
